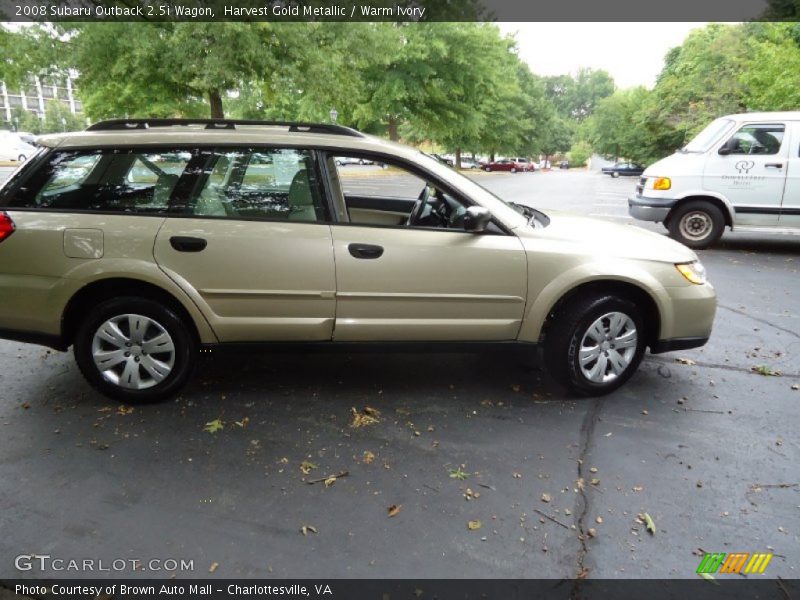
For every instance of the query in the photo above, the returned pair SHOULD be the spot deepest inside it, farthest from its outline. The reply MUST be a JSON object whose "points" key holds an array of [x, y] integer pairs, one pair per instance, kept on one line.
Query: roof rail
{"points": [[294, 126]]}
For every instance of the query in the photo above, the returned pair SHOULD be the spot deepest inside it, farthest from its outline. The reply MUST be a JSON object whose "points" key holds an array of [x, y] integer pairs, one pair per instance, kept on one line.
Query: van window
{"points": [[271, 184], [104, 181], [757, 139], [706, 138]]}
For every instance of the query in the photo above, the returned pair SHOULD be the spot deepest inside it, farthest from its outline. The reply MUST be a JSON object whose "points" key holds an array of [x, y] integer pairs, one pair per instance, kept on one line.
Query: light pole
{"points": [[334, 115]]}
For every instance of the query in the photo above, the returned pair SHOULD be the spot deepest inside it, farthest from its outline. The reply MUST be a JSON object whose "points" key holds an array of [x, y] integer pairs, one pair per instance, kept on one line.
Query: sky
{"points": [[633, 53]]}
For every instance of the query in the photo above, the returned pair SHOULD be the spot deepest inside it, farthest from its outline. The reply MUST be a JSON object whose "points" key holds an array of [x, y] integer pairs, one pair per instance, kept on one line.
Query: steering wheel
{"points": [[419, 207]]}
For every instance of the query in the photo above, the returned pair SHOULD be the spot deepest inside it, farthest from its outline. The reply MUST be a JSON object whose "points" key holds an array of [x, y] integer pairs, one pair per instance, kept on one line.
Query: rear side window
{"points": [[271, 184], [127, 181]]}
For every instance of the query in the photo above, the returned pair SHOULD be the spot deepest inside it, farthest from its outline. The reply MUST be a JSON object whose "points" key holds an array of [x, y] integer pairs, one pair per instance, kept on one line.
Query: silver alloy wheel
{"points": [[696, 225], [608, 347], [133, 351]]}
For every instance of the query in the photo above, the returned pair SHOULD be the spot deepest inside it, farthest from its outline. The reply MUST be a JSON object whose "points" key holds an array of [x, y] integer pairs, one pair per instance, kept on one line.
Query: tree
{"points": [[580, 152], [576, 97], [772, 76]]}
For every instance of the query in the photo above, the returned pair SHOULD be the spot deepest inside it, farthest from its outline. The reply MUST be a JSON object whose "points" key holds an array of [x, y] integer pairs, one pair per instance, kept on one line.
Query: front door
{"points": [[790, 208], [252, 245], [753, 173], [406, 269]]}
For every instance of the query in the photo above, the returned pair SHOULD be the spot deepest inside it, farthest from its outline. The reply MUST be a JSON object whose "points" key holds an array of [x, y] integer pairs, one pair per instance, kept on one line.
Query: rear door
{"points": [[251, 243]]}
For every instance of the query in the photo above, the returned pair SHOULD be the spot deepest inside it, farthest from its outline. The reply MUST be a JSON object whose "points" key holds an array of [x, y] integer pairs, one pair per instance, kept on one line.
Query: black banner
{"points": [[459, 589], [397, 10]]}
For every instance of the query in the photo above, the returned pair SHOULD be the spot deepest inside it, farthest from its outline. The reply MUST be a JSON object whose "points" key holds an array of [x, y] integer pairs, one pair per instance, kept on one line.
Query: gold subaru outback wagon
{"points": [[141, 242]]}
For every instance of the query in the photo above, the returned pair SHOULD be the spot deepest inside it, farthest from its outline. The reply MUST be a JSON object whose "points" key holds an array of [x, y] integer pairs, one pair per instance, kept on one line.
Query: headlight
{"points": [[694, 272], [658, 183]]}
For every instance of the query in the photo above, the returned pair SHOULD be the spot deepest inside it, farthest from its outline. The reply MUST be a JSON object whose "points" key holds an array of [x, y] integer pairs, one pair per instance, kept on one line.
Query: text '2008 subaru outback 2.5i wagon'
{"points": [[141, 242]]}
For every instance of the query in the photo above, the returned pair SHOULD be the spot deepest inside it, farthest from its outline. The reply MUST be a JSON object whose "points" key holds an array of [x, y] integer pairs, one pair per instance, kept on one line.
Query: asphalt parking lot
{"points": [[703, 441]]}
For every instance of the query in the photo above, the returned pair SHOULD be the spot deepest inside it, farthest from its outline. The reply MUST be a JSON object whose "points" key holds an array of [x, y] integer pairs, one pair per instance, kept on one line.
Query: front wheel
{"points": [[21, 158], [135, 350], [595, 344], [697, 224]]}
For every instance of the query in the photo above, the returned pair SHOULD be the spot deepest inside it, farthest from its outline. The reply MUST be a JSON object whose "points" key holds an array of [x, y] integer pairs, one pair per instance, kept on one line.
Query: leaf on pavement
{"points": [[368, 416], [213, 567], [651, 525], [306, 467], [243, 423], [306, 529], [546, 497], [394, 510], [473, 525], [685, 361], [369, 457], [214, 426], [766, 371]]}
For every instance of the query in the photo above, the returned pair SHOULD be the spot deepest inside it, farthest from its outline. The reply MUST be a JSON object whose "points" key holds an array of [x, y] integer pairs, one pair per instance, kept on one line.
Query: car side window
{"points": [[391, 195], [128, 181], [757, 139], [247, 183]]}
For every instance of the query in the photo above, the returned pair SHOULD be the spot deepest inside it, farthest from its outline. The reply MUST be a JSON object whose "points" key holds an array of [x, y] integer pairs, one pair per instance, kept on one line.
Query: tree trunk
{"points": [[458, 158], [393, 128], [216, 104]]}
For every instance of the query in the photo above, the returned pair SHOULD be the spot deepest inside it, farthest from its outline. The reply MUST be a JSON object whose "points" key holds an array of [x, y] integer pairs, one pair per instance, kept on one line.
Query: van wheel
{"points": [[21, 158], [595, 344], [697, 224], [135, 350]]}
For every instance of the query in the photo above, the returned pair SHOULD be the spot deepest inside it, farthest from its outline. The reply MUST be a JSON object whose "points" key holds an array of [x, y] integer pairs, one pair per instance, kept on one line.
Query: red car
{"points": [[507, 164]]}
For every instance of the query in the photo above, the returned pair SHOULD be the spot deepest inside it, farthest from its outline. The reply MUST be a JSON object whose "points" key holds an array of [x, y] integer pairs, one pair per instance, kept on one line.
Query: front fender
{"points": [[542, 301]]}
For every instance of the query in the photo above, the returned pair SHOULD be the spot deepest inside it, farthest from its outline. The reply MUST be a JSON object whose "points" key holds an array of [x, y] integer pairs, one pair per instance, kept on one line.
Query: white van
{"points": [[741, 171]]}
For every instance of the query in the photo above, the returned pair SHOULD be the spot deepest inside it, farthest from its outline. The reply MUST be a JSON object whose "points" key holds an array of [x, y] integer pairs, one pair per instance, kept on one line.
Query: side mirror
{"points": [[476, 219], [726, 148]]}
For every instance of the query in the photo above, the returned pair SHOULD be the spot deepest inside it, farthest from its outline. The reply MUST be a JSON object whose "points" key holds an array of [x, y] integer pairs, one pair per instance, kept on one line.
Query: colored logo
{"points": [[735, 562]]}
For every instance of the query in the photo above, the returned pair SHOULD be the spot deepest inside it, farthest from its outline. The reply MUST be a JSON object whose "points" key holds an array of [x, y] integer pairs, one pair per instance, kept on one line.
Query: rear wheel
{"points": [[614, 174], [135, 350], [21, 158], [595, 344], [697, 224]]}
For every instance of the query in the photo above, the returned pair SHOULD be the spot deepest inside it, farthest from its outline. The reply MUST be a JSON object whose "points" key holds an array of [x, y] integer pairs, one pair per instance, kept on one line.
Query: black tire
{"points": [[513, 169], [566, 333], [614, 174], [487, 169], [697, 224], [21, 158], [183, 340]]}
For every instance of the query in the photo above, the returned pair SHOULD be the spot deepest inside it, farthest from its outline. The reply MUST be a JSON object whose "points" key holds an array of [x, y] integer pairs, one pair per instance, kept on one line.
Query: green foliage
{"points": [[580, 152], [576, 97]]}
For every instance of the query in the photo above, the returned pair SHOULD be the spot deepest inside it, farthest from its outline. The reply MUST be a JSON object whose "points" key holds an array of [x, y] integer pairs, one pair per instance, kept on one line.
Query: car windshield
{"points": [[706, 138]]}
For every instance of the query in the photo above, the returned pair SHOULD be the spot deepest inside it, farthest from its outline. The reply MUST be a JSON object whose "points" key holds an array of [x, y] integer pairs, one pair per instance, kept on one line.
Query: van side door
{"points": [[749, 169]]}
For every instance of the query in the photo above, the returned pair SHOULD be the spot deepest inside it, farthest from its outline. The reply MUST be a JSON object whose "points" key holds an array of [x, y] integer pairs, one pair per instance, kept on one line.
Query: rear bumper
{"points": [[649, 209], [677, 344]]}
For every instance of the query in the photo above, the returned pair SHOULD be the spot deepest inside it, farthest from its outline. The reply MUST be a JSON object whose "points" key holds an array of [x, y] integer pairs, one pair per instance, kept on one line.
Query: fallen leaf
{"points": [[685, 361], [796, 387], [517, 475], [595, 481], [592, 532], [214, 426], [458, 474], [637, 488], [394, 510], [213, 567], [243, 423], [368, 416], [369, 457], [124, 410], [593, 470], [599, 520], [766, 371], [473, 525], [651, 525], [546, 497], [306, 467], [330, 481], [305, 529]]}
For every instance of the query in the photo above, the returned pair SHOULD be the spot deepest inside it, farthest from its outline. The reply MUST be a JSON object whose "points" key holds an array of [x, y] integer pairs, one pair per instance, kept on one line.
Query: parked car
{"points": [[139, 268], [739, 172], [13, 148], [347, 160], [505, 164], [525, 164], [564, 164], [27, 137], [624, 169], [467, 163]]}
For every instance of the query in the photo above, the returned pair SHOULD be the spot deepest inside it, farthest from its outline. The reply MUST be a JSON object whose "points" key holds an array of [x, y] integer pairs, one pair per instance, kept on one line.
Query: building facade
{"points": [[34, 98]]}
